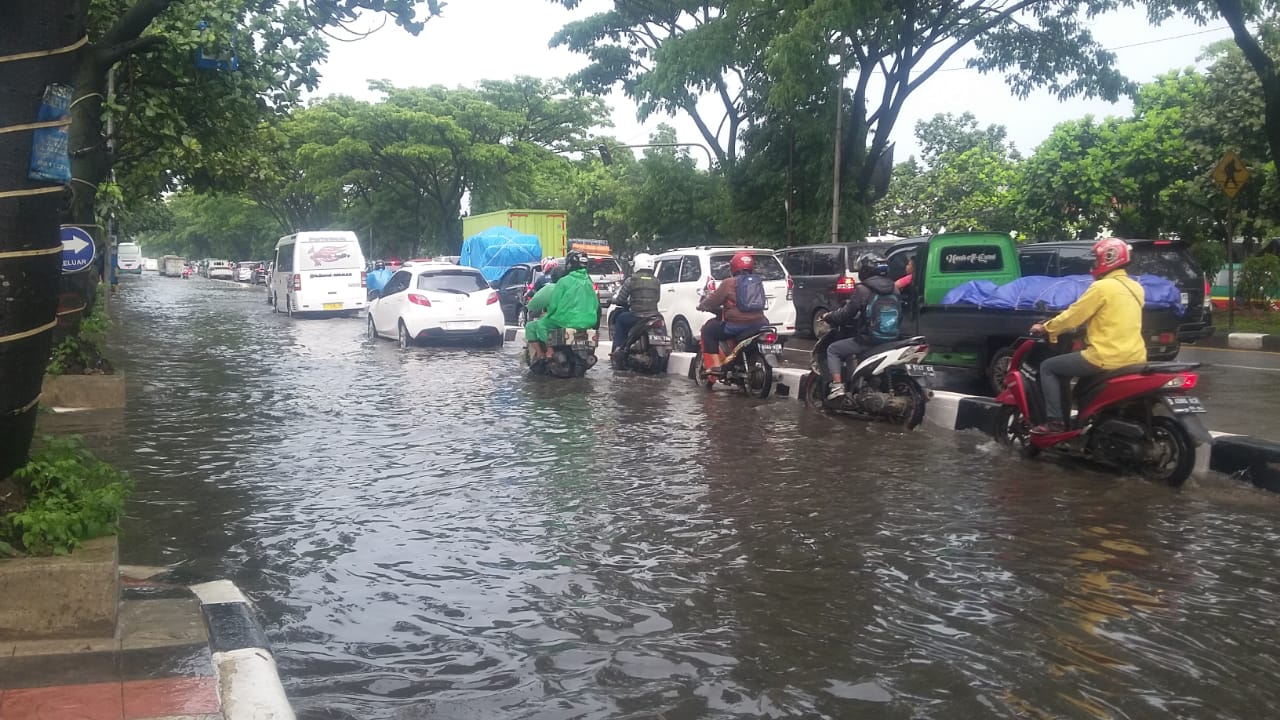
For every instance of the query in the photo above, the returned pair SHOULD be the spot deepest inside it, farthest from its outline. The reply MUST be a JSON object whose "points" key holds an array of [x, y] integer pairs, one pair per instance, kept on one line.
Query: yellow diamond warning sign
{"points": [[1230, 174]]}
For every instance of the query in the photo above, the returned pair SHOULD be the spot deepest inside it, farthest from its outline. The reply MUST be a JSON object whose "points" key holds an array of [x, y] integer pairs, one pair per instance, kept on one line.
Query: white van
{"points": [[318, 272], [129, 258]]}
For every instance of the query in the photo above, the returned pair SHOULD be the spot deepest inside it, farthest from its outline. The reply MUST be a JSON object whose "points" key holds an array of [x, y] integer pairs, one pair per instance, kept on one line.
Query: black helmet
{"points": [[872, 265], [575, 260], [557, 272], [378, 264]]}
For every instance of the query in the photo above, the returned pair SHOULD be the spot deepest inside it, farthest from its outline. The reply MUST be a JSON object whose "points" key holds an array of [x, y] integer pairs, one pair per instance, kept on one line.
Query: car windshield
{"points": [[454, 281], [767, 266], [603, 266]]}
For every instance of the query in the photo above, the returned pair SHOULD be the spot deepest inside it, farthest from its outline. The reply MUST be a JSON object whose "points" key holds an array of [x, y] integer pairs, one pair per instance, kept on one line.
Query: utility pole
{"points": [[108, 263], [835, 174]]}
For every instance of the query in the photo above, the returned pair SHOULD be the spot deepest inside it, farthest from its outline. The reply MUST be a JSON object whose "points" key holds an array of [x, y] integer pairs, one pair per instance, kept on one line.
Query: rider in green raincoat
{"points": [[574, 305]]}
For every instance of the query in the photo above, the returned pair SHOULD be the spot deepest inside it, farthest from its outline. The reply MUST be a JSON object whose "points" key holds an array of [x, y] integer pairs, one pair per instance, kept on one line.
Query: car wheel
{"points": [[288, 305], [998, 368], [522, 316], [402, 335], [818, 327], [270, 300], [373, 331], [275, 303], [682, 337]]}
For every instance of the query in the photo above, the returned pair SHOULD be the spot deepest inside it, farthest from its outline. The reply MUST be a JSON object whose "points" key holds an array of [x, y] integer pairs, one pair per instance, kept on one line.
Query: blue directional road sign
{"points": [[78, 250]]}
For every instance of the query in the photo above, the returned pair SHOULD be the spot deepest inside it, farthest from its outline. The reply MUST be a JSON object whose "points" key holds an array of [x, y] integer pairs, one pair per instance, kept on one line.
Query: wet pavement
{"points": [[428, 534]]}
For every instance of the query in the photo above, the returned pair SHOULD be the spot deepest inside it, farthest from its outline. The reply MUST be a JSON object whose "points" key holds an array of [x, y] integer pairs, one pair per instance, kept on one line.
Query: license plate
{"points": [[770, 348], [461, 325], [333, 306], [582, 345], [920, 370], [1185, 404], [659, 340], [1186, 299]]}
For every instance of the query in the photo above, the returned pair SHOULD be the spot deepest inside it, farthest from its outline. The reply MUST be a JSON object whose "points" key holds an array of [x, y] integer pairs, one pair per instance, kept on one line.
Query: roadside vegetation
{"points": [[61, 497]]}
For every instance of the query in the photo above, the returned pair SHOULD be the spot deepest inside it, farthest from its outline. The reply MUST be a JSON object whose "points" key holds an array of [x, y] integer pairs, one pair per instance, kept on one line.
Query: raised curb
{"points": [[1241, 341], [249, 685], [1251, 459]]}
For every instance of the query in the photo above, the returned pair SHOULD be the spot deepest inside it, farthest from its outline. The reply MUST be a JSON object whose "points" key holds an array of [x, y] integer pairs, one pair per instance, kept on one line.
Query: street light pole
{"points": [[835, 173]]}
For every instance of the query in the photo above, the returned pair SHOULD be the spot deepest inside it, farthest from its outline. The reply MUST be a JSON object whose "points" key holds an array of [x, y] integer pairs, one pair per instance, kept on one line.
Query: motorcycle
{"points": [[186, 273], [745, 364], [646, 348], [881, 383], [575, 353], [1138, 418]]}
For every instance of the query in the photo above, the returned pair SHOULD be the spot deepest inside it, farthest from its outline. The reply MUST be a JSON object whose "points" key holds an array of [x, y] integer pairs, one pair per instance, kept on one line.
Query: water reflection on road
{"points": [[429, 534]]}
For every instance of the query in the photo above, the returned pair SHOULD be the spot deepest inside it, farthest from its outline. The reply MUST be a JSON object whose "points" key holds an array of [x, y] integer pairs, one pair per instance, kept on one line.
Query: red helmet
{"points": [[742, 262], [1109, 254]]}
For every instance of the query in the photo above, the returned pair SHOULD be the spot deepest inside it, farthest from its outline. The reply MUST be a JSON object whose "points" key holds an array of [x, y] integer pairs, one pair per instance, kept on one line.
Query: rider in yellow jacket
{"points": [[1112, 309]]}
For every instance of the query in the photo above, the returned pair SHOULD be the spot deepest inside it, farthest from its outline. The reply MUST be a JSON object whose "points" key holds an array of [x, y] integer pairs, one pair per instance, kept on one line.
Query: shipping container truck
{"points": [[551, 227]]}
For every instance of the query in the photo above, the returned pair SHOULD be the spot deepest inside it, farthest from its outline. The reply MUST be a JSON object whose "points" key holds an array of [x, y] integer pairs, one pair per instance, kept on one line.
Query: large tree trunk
{"points": [[30, 212]]}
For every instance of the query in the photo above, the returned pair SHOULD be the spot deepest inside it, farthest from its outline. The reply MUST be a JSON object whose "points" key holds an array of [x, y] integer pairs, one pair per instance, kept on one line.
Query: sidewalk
{"points": [[1240, 341], [162, 663]]}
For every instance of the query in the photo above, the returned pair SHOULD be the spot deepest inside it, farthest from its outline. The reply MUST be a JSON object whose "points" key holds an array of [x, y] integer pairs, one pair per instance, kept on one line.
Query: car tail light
{"points": [[493, 298], [846, 284], [790, 285], [1163, 242], [1166, 338], [297, 282], [1185, 381], [1208, 290], [417, 299], [364, 279], [769, 338]]}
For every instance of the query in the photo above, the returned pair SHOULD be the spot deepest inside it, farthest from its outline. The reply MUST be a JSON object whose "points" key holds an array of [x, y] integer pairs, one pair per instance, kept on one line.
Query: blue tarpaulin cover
{"points": [[1037, 292], [495, 249]]}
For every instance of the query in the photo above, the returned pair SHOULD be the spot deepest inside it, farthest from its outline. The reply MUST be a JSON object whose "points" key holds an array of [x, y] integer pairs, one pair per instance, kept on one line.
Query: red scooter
{"points": [[1138, 418]]}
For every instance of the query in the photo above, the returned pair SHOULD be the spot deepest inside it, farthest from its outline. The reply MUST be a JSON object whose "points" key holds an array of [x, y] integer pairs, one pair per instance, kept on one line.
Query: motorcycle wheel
{"points": [[564, 365], [1170, 455], [1013, 431], [813, 391], [698, 372], [657, 361], [759, 380], [906, 386]]}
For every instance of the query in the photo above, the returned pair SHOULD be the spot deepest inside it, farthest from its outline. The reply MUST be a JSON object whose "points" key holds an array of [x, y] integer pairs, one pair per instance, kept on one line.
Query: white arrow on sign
{"points": [[75, 245]]}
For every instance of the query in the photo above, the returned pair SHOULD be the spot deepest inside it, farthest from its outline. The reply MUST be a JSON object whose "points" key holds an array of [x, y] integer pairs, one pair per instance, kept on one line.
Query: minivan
{"points": [[318, 272], [824, 277], [1170, 259]]}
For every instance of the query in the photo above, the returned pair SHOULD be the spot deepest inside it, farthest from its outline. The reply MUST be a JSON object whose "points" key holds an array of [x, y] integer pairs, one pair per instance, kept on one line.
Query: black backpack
{"points": [[749, 294], [882, 317]]}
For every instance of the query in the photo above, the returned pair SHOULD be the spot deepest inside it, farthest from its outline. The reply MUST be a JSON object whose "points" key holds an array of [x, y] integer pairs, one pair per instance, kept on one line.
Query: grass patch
{"points": [[1251, 320]]}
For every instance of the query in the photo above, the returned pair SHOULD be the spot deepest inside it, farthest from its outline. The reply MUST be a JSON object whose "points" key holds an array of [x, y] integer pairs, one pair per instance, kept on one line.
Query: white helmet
{"points": [[642, 261]]}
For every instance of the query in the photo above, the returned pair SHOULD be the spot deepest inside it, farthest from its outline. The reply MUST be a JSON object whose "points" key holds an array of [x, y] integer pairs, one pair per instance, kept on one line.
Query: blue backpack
{"points": [[882, 317], [750, 295]]}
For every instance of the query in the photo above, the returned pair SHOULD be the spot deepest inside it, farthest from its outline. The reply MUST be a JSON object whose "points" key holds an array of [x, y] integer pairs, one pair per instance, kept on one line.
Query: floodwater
{"points": [[429, 534]]}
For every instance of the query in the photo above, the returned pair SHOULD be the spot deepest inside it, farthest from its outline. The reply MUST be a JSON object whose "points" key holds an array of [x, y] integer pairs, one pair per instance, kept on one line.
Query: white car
{"points": [[437, 301], [687, 274], [244, 271], [220, 270]]}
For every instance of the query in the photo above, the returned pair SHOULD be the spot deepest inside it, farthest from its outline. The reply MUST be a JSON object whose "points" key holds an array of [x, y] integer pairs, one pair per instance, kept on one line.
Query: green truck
{"points": [[551, 227], [978, 338]]}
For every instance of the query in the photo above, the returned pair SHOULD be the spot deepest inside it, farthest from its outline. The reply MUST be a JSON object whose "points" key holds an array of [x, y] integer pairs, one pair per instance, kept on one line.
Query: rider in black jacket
{"points": [[872, 271]]}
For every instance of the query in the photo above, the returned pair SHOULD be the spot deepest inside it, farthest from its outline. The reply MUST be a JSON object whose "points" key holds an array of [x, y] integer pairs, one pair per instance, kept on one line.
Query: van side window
{"points": [[795, 261], [1036, 263], [285, 255], [668, 270], [690, 269], [826, 261], [1075, 261]]}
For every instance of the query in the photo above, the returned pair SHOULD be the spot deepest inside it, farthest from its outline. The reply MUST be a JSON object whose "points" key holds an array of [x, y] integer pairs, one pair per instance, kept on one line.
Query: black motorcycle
{"points": [[575, 353], [746, 365], [880, 382], [645, 349]]}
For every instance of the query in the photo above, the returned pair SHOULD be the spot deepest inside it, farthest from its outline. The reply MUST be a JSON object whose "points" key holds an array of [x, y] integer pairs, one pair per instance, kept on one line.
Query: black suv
{"points": [[512, 288], [1170, 259], [824, 278]]}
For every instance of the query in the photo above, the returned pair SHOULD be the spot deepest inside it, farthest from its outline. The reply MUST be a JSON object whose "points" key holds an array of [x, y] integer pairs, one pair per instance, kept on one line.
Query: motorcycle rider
{"points": [[731, 320], [377, 279], [639, 294], [873, 271], [1112, 309], [573, 305]]}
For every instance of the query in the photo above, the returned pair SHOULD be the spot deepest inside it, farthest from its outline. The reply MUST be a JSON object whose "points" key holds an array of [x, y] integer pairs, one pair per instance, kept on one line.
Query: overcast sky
{"points": [[498, 39]]}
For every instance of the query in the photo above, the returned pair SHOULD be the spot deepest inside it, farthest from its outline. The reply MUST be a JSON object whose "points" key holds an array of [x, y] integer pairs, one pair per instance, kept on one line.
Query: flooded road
{"points": [[428, 534]]}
